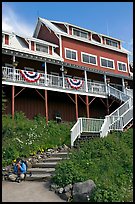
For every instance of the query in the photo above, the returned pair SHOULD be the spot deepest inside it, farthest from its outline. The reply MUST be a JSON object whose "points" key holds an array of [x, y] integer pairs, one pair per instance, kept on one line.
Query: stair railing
{"points": [[117, 120]]}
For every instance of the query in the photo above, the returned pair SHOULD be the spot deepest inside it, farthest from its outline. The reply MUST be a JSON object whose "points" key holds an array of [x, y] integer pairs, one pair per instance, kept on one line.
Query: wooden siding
{"points": [[95, 50], [32, 46], [29, 102], [50, 50], [6, 39], [47, 35], [61, 26]]}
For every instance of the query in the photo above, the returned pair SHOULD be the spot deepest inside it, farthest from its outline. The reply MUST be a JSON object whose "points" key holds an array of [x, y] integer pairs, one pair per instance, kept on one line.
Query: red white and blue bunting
{"points": [[30, 76], [75, 83]]}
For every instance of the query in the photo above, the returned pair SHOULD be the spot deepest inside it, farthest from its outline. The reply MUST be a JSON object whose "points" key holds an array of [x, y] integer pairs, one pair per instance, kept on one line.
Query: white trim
{"points": [[54, 89], [80, 30], [121, 63], [68, 29], [115, 41], [3, 39], [109, 60], [60, 43], [73, 51], [90, 56]]}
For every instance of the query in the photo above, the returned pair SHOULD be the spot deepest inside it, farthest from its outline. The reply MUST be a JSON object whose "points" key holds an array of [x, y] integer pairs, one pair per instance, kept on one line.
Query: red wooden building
{"points": [[64, 69]]}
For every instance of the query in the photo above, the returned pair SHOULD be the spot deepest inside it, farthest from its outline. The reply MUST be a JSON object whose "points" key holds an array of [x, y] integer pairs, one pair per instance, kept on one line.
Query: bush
{"points": [[22, 137], [107, 161]]}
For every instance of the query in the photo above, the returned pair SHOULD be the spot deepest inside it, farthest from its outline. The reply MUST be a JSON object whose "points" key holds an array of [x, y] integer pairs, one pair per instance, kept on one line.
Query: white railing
{"points": [[85, 125], [117, 120], [117, 93], [75, 131], [91, 124], [57, 82], [129, 92]]}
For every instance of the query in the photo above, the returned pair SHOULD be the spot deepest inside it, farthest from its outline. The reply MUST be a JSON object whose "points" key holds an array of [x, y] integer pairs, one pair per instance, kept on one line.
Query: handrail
{"points": [[54, 81], [117, 120]]}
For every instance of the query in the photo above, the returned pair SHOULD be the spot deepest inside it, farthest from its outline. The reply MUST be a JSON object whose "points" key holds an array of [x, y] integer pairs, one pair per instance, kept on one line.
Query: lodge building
{"points": [[64, 70]]}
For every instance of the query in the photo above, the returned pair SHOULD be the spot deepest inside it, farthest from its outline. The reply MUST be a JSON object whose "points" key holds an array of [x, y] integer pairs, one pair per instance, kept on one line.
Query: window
{"points": [[71, 54], [88, 58], [108, 63], [111, 42], [80, 33], [122, 66], [41, 48]]}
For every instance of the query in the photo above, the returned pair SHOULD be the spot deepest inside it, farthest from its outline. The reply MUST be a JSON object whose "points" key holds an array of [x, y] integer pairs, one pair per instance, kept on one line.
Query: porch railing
{"points": [[53, 81]]}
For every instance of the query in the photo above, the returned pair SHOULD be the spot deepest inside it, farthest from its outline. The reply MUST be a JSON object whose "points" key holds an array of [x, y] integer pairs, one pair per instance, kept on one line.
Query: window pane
{"points": [[83, 35], [76, 32], [41, 48], [92, 60], [73, 55], [85, 58], [110, 64], [104, 62], [120, 66], [68, 54], [124, 67]]}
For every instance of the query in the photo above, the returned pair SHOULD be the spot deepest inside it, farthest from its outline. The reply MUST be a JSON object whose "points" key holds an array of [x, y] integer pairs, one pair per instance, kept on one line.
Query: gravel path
{"points": [[28, 191]]}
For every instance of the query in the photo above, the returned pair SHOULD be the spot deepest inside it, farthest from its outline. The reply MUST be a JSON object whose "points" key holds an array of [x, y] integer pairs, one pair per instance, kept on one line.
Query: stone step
{"points": [[38, 177], [40, 170], [53, 159], [44, 165], [60, 154]]}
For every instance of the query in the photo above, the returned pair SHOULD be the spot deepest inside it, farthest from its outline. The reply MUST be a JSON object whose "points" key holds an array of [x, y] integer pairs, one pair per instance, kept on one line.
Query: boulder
{"points": [[82, 191], [67, 188]]}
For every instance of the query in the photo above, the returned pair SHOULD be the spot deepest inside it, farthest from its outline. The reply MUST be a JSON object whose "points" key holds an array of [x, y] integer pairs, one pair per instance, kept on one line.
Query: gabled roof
{"points": [[50, 25]]}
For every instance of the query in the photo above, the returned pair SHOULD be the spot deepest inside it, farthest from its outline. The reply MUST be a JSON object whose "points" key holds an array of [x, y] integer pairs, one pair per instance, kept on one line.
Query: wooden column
{"points": [[107, 105], [46, 107], [76, 106], [87, 106], [13, 101]]}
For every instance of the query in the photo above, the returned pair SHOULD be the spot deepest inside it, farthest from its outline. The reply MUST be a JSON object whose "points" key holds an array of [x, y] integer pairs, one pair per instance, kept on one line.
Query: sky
{"points": [[110, 18]]}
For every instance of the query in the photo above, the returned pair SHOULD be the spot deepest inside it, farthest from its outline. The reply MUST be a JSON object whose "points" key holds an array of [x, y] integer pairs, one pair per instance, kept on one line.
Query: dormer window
{"points": [[42, 48], [111, 43], [80, 33]]}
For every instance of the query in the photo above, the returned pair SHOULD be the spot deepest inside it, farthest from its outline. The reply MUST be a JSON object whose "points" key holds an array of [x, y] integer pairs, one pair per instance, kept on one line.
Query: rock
{"points": [[82, 191], [65, 196], [53, 187], [65, 147], [60, 190], [68, 188]]}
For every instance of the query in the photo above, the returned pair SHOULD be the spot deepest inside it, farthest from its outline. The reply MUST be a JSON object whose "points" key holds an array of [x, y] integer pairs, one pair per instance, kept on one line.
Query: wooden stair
{"points": [[128, 126]]}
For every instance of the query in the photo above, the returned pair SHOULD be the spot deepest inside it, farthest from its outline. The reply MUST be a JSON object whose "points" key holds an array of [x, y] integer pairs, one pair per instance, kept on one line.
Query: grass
{"points": [[23, 137]]}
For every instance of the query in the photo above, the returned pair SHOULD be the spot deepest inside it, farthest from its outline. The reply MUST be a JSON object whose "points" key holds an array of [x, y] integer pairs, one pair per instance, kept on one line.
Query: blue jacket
{"points": [[22, 169]]}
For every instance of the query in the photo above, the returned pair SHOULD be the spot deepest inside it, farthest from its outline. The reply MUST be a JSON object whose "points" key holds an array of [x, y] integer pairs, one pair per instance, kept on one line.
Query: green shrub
{"points": [[107, 161], [22, 137]]}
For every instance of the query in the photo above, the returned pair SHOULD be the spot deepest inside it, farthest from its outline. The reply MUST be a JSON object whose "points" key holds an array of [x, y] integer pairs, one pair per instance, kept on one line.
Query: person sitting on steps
{"points": [[19, 172]]}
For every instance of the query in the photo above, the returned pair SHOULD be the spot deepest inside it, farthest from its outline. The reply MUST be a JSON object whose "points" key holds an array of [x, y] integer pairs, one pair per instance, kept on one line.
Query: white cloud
{"points": [[12, 22]]}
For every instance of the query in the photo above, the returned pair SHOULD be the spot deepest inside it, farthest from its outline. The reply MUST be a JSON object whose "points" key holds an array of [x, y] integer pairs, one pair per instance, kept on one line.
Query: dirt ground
{"points": [[28, 191]]}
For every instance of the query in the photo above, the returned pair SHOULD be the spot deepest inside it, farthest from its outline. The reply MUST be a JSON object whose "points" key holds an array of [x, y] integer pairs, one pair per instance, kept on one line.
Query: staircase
{"points": [[121, 119], [43, 169]]}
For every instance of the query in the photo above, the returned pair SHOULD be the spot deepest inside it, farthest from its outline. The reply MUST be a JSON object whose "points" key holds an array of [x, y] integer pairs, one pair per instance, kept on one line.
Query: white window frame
{"points": [[90, 56], [112, 41], [121, 63], [109, 60], [3, 36], [80, 31], [73, 51], [41, 45]]}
